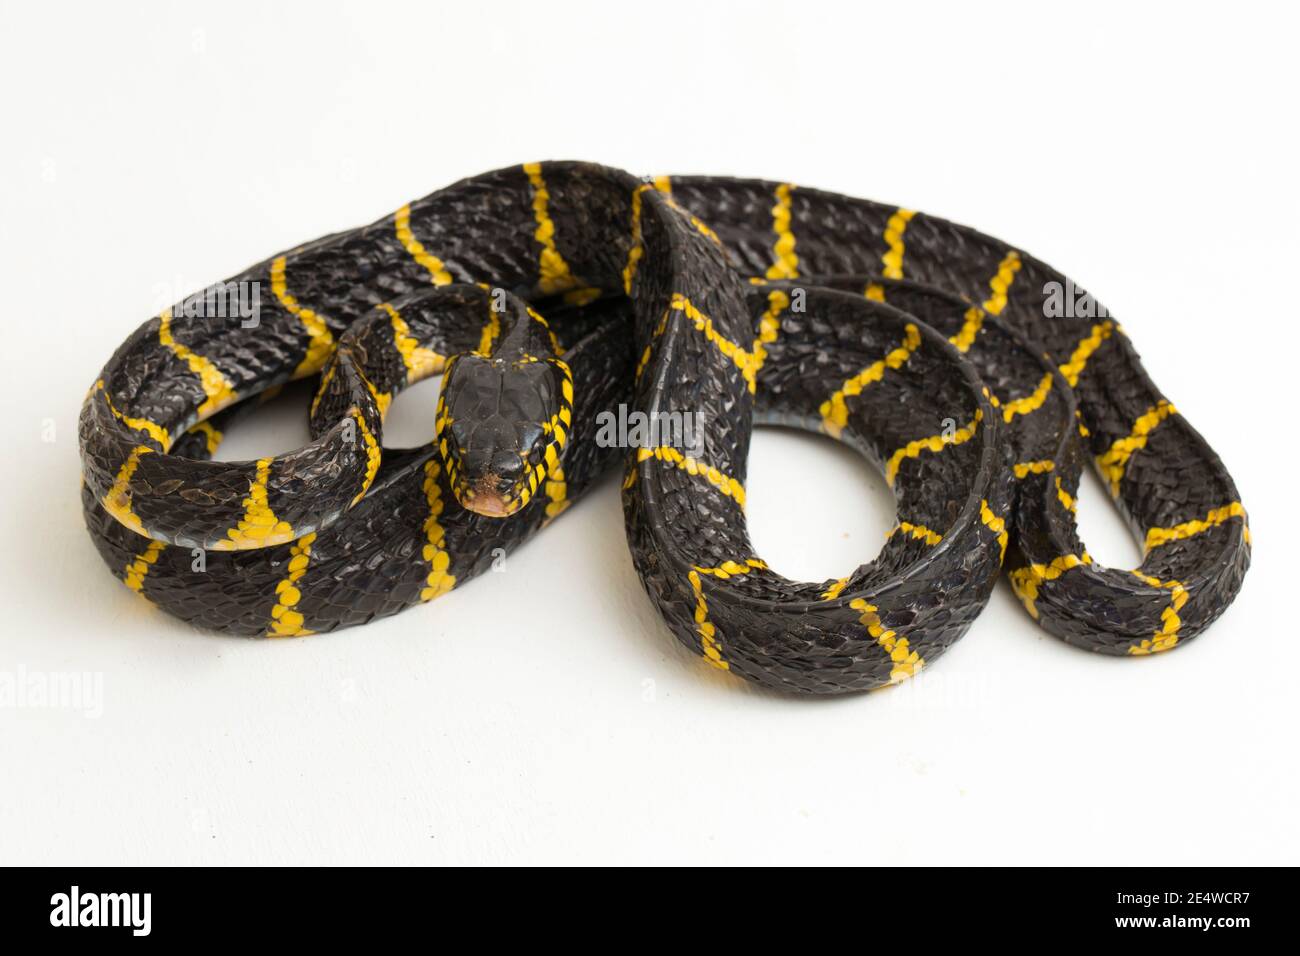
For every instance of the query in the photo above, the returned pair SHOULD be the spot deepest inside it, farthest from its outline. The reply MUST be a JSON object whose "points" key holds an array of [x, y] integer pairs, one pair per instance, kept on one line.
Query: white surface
{"points": [[1151, 155]]}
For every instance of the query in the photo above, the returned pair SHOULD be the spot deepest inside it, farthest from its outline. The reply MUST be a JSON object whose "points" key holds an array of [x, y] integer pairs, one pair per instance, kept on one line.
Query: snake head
{"points": [[502, 427]]}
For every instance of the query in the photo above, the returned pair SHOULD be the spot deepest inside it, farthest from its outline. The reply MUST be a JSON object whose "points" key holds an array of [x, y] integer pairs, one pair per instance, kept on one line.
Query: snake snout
{"points": [[506, 467], [489, 503], [495, 494], [494, 479]]}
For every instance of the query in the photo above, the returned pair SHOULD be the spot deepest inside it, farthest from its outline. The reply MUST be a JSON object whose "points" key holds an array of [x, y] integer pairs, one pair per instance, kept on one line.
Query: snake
{"points": [[587, 321]]}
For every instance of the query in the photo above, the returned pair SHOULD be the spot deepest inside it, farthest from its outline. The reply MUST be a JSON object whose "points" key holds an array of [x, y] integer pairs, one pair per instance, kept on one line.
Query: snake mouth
{"points": [[484, 498]]}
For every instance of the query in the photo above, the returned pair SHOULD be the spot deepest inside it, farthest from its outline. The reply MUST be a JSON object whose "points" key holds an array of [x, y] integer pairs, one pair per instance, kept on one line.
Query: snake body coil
{"points": [[933, 349]]}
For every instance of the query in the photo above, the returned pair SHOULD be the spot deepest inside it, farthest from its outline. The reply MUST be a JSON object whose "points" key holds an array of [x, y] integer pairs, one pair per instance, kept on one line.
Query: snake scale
{"points": [[978, 379]]}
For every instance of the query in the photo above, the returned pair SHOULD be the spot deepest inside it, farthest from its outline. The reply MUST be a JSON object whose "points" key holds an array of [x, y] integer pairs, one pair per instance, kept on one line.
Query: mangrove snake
{"points": [[549, 293]]}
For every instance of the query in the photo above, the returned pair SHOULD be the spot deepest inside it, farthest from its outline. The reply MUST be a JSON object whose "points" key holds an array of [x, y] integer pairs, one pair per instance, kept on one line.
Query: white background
{"points": [[544, 714]]}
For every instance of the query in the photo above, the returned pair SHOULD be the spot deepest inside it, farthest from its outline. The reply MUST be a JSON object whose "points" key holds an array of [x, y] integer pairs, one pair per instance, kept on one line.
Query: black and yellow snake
{"points": [[977, 378]]}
